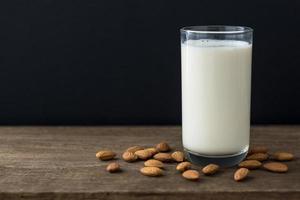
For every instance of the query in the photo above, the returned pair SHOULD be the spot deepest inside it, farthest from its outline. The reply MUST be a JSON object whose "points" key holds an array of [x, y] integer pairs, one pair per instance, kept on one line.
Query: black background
{"points": [[118, 62]]}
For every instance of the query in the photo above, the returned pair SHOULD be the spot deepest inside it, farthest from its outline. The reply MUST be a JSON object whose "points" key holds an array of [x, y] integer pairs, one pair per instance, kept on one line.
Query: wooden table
{"points": [[60, 163]]}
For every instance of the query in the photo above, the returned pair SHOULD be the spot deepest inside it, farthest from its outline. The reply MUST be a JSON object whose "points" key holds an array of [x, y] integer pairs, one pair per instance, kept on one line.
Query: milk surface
{"points": [[216, 81]]}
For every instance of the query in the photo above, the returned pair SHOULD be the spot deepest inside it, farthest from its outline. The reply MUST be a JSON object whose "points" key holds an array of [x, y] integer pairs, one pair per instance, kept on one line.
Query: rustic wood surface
{"points": [[60, 163]]}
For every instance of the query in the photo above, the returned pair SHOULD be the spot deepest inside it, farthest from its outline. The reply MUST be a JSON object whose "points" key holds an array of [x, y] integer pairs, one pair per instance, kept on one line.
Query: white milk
{"points": [[216, 78]]}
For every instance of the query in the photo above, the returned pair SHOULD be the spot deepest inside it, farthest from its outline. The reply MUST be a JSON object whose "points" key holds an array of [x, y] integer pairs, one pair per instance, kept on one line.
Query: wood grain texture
{"points": [[60, 163]]}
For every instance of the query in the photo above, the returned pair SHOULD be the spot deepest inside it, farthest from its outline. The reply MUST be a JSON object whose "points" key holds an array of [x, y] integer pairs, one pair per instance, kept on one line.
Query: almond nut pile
{"points": [[156, 157]]}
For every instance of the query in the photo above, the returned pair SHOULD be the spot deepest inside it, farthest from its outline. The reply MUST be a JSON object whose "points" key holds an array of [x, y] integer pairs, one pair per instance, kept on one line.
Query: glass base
{"points": [[223, 161]]}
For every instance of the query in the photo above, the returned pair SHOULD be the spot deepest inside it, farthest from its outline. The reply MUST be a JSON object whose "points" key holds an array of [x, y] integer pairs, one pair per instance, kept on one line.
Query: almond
{"points": [[183, 166], [113, 167], [152, 150], [275, 167], [192, 175], [129, 156], [258, 156], [143, 154], [154, 163], [163, 157], [241, 174], [133, 149], [250, 164], [151, 171], [210, 169], [258, 149], [283, 156], [163, 147], [105, 155], [178, 156]]}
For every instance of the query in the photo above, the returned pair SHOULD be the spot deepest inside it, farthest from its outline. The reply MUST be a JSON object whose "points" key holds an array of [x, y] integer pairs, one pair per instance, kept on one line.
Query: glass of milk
{"points": [[216, 88]]}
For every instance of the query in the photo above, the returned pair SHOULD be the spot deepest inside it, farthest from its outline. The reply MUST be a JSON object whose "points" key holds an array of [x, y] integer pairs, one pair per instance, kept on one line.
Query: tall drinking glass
{"points": [[216, 89]]}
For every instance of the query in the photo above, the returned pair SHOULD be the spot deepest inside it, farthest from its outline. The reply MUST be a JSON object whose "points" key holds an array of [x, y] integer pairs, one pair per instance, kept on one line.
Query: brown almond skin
{"points": [[143, 154], [151, 171], [192, 175], [163, 147], [154, 163], [133, 149], [129, 156], [163, 157], [283, 156], [183, 166], [258, 156], [178, 156], [113, 167], [258, 149], [152, 150], [210, 169], [241, 174], [250, 164], [105, 155], [276, 167]]}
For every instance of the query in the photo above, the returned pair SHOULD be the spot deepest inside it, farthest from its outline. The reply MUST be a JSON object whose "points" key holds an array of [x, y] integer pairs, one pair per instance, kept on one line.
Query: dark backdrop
{"points": [[118, 62]]}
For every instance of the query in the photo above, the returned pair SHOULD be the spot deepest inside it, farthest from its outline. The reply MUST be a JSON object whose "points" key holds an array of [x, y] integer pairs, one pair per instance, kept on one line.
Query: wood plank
{"points": [[60, 163]]}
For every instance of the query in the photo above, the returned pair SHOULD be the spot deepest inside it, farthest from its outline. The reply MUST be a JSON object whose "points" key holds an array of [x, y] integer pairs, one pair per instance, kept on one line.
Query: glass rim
{"points": [[216, 29]]}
